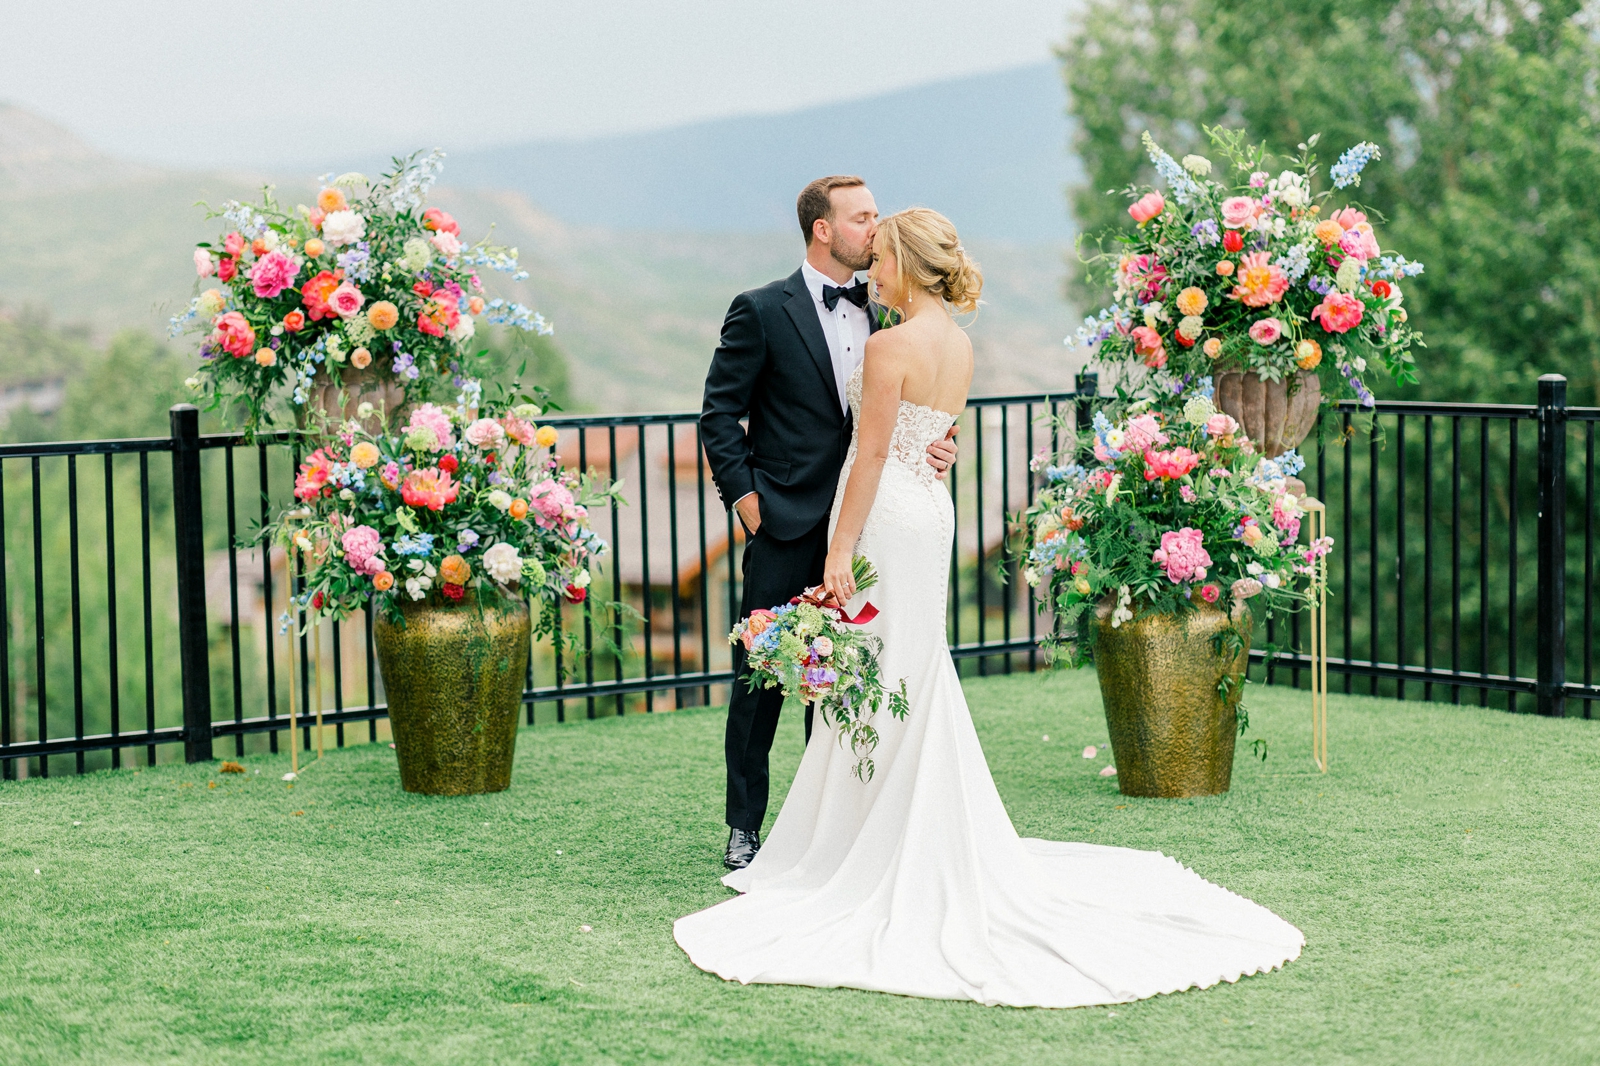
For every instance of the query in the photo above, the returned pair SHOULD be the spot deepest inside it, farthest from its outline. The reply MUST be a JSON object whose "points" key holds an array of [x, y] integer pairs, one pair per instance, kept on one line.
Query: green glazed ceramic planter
{"points": [[1172, 732], [454, 677]]}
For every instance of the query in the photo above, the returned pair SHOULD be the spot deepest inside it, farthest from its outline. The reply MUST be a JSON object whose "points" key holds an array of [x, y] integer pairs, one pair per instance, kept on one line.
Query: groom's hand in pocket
{"points": [[749, 508], [942, 453]]}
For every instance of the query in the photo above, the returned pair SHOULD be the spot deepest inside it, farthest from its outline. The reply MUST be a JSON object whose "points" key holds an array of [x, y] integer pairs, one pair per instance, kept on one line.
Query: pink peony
{"points": [[361, 547], [1174, 464], [203, 266], [439, 221], [1220, 425], [1209, 593], [314, 476], [1239, 212], [1348, 217], [447, 244], [1182, 555], [518, 430], [430, 488], [1141, 433], [550, 501], [1339, 312], [272, 274], [1359, 242], [1147, 207], [432, 417], [1266, 331], [346, 301], [486, 433], [234, 335]]}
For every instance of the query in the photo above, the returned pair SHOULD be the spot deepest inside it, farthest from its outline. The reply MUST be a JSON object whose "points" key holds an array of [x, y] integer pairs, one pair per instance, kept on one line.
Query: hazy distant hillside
{"points": [[990, 151], [36, 154], [637, 313]]}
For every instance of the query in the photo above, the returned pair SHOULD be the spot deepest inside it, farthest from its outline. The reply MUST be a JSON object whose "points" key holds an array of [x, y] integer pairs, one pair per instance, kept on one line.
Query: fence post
{"points": [[1087, 383], [193, 654], [1552, 666]]}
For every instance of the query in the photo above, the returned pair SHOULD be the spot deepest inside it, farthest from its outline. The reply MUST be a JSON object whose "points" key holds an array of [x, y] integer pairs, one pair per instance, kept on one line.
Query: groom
{"points": [[787, 350]]}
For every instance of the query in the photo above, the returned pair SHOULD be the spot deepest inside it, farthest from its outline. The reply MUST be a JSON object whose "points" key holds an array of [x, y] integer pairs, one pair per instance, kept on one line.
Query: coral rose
{"points": [[1147, 207], [1339, 312], [234, 335], [228, 268], [1225, 268], [233, 244], [314, 475], [1210, 593], [315, 293], [1307, 354], [430, 488], [1239, 212], [454, 570], [475, 305], [383, 581], [1348, 217], [383, 315], [1146, 343], [427, 325], [1174, 464], [518, 510], [1212, 348], [1260, 282], [755, 625], [294, 321], [1192, 301], [360, 358], [266, 357], [1266, 331]]}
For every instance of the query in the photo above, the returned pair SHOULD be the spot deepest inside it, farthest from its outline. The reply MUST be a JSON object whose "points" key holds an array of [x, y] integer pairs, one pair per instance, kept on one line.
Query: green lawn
{"points": [[1445, 873]]}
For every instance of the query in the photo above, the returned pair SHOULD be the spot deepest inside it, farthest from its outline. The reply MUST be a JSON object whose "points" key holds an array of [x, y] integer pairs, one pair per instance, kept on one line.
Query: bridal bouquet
{"points": [[812, 651], [1156, 511], [455, 499], [366, 278], [1256, 273]]}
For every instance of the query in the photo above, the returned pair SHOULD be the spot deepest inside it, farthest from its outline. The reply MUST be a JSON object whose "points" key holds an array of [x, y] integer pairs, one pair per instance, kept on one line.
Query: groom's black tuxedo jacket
{"points": [[773, 367]]}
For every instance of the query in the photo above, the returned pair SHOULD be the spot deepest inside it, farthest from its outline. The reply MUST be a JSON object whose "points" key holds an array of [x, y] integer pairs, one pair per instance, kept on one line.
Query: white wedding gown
{"points": [[916, 883]]}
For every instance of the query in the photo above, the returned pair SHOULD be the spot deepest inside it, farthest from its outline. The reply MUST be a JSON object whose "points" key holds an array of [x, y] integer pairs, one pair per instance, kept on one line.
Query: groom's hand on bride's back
{"points": [[942, 453]]}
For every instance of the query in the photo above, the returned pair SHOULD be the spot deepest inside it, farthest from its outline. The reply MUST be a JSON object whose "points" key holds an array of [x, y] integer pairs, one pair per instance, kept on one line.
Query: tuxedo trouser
{"points": [[775, 571]]}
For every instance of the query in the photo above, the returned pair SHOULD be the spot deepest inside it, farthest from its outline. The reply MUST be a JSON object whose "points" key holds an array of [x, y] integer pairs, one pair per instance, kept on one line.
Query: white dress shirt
{"points": [[846, 327]]}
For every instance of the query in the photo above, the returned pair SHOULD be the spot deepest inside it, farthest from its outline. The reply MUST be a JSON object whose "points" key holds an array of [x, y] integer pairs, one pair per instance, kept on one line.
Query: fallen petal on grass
{"points": [[1109, 771], [1090, 752], [290, 776]]}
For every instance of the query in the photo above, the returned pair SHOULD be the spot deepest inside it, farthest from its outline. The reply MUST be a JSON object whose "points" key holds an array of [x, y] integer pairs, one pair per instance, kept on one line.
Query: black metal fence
{"points": [[138, 617]]}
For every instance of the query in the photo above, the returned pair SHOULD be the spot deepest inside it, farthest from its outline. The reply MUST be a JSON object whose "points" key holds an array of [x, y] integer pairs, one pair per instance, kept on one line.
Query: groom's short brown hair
{"points": [[816, 200]]}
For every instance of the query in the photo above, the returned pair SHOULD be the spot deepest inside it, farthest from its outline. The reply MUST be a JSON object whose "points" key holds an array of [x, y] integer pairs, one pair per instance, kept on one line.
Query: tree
{"points": [[1488, 115]]}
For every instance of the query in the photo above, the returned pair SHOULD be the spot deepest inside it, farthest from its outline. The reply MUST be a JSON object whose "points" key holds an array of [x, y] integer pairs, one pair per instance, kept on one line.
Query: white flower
{"points": [[1360, 363], [1270, 580], [1348, 276], [415, 255], [582, 582], [417, 587], [343, 227], [192, 382], [527, 410], [1031, 576], [500, 499], [502, 563], [1154, 313], [463, 330], [1198, 165], [1255, 569]]}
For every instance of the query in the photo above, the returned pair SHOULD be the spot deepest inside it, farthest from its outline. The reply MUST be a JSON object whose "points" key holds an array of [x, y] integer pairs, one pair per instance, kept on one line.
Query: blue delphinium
{"points": [[1347, 171]]}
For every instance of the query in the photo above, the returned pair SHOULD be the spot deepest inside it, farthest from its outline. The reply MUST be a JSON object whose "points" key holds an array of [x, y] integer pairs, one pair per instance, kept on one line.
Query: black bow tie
{"points": [[856, 294]]}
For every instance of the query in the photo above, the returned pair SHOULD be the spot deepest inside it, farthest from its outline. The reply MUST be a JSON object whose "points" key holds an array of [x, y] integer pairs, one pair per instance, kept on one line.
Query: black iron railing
{"points": [[1465, 559]]}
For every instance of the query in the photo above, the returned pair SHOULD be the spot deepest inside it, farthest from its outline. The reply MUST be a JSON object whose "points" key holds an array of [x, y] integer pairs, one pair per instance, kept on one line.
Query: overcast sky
{"points": [[277, 82]]}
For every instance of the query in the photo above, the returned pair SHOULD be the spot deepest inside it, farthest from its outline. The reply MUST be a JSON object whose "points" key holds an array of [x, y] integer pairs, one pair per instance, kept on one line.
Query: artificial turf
{"points": [[1445, 873]]}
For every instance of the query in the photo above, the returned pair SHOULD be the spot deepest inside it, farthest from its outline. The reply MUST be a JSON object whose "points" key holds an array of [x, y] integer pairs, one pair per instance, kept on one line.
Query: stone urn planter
{"points": [[1172, 731], [1276, 415], [454, 675], [368, 385]]}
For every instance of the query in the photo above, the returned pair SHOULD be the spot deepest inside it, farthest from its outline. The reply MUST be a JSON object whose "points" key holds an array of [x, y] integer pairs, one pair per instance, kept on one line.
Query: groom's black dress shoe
{"points": [[742, 847]]}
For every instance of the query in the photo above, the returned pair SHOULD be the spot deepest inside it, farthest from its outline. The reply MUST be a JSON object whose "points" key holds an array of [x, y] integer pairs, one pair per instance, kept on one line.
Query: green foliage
{"points": [[1489, 113], [509, 355]]}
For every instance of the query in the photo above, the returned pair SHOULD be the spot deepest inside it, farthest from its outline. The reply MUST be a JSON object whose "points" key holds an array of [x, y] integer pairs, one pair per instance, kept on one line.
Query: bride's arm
{"points": [[882, 373]]}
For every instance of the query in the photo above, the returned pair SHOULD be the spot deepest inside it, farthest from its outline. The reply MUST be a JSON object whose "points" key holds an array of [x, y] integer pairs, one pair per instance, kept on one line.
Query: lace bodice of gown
{"points": [[916, 427]]}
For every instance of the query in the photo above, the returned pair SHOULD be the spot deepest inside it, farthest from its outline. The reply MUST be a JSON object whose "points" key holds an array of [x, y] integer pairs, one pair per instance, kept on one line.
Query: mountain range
{"points": [[635, 272]]}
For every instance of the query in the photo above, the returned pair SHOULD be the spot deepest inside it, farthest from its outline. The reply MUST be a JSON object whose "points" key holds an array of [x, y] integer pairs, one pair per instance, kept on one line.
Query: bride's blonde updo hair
{"points": [[928, 254]]}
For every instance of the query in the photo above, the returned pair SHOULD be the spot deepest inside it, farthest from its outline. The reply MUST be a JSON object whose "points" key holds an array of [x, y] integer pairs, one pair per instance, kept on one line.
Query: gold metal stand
{"points": [[1317, 516]]}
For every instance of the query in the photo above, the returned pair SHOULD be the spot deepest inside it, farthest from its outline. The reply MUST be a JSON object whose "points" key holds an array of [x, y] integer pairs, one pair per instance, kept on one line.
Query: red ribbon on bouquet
{"points": [[817, 598]]}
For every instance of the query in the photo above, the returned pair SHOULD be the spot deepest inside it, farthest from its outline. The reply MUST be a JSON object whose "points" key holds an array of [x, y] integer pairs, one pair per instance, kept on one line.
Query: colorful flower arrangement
{"points": [[814, 652], [366, 278], [1162, 510], [1254, 273], [456, 500]]}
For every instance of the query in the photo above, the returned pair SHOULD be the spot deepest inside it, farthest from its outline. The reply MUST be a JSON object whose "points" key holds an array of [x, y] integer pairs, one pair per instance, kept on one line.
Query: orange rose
{"points": [[331, 199], [1225, 267], [360, 358], [756, 625], [383, 581], [294, 321], [315, 247], [266, 357], [475, 305], [519, 509], [383, 315], [454, 570]]}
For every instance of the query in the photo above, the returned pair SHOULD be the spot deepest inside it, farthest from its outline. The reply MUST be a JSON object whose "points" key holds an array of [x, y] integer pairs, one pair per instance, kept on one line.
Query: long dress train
{"points": [[916, 883]]}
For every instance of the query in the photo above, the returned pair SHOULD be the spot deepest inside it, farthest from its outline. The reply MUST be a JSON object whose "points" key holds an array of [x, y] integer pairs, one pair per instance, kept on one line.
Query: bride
{"points": [[915, 882]]}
